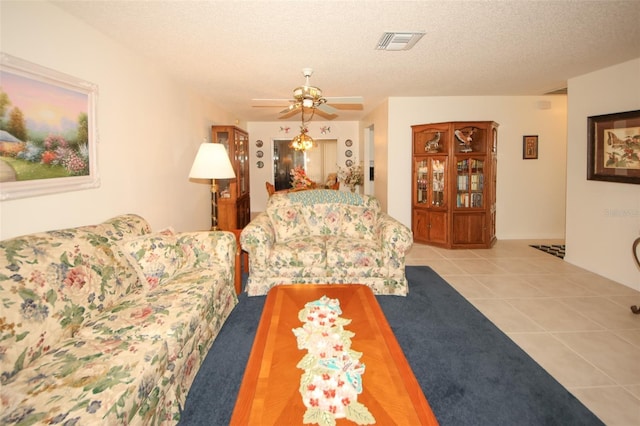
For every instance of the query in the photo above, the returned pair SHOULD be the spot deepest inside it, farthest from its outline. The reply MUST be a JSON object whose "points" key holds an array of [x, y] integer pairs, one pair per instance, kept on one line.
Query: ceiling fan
{"points": [[308, 100]]}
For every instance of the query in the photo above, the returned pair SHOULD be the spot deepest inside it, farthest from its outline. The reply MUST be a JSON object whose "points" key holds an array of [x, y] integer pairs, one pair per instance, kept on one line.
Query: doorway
{"points": [[318, 162]]}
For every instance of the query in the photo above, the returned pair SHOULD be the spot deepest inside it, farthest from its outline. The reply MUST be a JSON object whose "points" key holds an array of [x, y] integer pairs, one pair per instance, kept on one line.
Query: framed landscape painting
{"points": [[613, 147], [48, 132]]}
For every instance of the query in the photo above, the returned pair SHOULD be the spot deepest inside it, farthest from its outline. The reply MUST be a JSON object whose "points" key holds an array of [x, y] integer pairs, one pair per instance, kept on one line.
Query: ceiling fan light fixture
{"points": [[309, 96], [308, 100], [302, 142]]}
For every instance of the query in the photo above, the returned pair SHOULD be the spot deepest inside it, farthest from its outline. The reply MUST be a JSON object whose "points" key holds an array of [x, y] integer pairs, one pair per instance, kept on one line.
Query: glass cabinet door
{"points": [[470, 183], [242, 158], [431, 181], [422, 182], [438, 181], [222, 137]]}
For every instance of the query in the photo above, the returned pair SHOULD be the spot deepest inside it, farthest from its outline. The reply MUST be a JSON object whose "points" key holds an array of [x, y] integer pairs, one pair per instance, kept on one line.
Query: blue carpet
{"points": [[470, 372]]}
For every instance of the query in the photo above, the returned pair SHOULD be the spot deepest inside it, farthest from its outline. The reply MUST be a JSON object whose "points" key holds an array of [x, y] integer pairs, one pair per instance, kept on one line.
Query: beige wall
{"points": [[603, 218], [149, 128], [379, 119]]}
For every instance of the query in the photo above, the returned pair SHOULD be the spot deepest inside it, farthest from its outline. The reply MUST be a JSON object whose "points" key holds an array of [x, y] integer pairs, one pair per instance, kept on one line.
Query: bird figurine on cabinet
{"points": [[465, 138], [433, 145]]}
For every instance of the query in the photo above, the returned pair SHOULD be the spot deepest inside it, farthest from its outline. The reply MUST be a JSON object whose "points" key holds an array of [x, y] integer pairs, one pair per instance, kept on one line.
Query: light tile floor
{"points": [[577, 325]]}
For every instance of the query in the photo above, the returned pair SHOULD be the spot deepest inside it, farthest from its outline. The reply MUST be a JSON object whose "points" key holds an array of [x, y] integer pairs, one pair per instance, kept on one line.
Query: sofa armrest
{"points": [[157, 258], [395, 237], [207, 248], [257, 238]]}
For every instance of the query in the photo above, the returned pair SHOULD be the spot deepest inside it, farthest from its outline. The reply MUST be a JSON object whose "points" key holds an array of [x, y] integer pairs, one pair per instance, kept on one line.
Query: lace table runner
{"points": [[332, 378]]}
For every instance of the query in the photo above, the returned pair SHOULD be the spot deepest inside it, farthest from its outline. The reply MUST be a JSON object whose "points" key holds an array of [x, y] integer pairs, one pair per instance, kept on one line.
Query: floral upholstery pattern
{"points": [[108, 324], [326, 237]]}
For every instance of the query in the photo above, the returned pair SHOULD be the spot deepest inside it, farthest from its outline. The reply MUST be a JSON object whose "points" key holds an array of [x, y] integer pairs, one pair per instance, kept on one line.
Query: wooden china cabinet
{"points": [[454, 184], [234, 204]]}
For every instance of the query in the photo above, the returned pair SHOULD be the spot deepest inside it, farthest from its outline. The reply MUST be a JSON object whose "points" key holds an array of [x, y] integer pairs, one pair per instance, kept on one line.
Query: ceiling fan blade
{"points": [[327, 108], [325, 115], [270, 103], [291, 107], [290, 112], [345, 99], [347, 107]]}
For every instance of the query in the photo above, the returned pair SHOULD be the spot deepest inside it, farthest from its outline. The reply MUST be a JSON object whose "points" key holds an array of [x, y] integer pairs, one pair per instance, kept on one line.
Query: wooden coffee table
{"points": [[269, 393]]}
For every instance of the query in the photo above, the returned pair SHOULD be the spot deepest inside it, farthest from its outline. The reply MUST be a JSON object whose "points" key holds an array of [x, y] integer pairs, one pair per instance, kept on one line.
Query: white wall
{"points": [[379, 119], [268, 131], [603, 218], [149, 128], [530, 193]]}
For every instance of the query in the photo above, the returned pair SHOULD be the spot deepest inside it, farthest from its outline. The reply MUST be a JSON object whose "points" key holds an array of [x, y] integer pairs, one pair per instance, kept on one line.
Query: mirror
{"points": [[318, 162]]}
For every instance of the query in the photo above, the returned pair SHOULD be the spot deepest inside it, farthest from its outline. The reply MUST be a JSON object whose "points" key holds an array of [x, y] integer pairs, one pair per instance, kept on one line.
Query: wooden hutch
{"points": [[234, 203], [454, 184]]}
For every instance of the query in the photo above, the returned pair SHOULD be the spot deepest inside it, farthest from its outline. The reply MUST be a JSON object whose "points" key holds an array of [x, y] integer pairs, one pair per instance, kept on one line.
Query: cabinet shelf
{"points": [[454, 206]]}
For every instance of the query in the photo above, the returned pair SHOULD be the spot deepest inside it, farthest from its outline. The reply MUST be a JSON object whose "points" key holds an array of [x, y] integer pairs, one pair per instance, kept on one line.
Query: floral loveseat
{"points": [[108, 324], [326, 236]]}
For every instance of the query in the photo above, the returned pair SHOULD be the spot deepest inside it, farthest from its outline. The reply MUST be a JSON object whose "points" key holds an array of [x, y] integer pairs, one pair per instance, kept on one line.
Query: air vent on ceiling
{"points": [[398, 40]]}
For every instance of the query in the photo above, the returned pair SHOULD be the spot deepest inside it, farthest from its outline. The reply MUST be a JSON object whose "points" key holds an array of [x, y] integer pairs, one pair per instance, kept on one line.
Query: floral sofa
{"points": [[108, 324], [326, 236]]}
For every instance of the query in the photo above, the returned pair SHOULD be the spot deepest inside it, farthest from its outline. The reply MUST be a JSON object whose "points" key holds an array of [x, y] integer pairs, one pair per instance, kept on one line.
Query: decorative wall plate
{"points": [[349, 163], [259, 154], [348, 153], [260, 164], [259, 143], [348, 142]]}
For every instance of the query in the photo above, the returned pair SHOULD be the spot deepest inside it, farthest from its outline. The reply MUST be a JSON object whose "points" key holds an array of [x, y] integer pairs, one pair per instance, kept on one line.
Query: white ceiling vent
{"points": [[398, 40]]}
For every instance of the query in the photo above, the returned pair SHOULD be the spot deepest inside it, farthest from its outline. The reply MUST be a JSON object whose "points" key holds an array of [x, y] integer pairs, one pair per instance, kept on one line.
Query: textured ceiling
{"points": [[235, 51]]}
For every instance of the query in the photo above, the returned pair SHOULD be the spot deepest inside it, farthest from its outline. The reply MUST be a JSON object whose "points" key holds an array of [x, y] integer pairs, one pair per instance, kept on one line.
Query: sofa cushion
{"points": [[170, 313], [156, 257], [88, 382], [354, 257], [160, 337], [59, 279], [300, 252], [324, 219], [358, 222], [288, 223]]}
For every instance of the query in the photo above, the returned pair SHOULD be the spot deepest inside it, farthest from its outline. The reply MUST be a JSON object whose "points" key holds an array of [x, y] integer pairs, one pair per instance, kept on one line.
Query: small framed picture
{"points": [[530, 147]]}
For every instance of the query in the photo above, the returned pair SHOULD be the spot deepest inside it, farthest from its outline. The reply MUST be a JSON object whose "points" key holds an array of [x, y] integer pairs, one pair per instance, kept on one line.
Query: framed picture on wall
{"points": [[613, 147], [48, 132], [530, 147]]}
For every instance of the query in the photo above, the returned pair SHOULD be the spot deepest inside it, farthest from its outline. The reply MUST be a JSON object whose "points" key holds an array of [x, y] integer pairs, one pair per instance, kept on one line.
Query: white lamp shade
{"points": [[212, 162]]}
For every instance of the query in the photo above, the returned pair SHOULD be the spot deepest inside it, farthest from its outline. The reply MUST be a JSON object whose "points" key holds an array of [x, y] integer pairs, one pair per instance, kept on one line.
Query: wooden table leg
{"points": [[239, 256]]}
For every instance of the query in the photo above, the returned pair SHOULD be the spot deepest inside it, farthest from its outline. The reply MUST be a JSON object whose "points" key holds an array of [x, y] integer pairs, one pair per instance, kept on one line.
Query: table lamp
{"points": [[212, 162]]}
